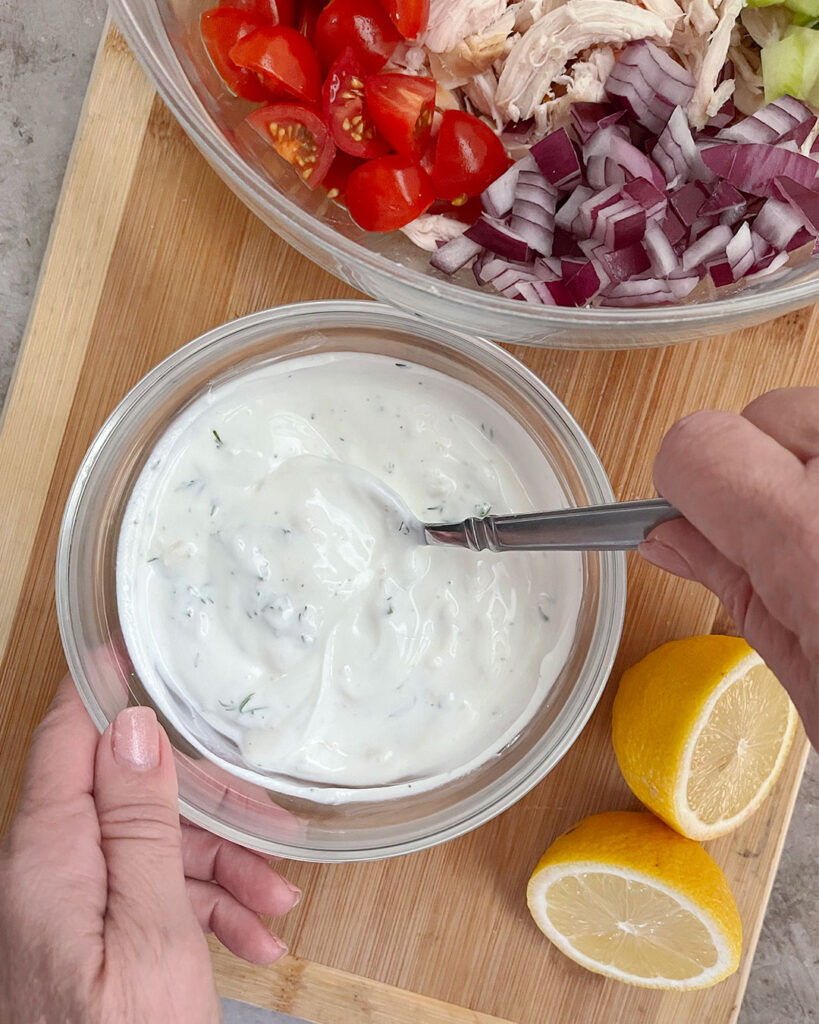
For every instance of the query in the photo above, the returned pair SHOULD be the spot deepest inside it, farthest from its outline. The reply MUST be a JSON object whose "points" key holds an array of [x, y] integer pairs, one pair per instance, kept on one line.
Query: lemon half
{"points": [[625, 896], [701, 729]]}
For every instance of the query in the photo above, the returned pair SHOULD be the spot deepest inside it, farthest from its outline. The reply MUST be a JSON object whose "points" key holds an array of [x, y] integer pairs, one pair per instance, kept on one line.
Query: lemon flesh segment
{"points": [[630, 929], [738, 752]]}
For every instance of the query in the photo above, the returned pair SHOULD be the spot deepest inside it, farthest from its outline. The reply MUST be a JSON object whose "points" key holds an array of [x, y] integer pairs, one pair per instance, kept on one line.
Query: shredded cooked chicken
{"points": [[541, 55], [584, 83], [708, 64], [511, 61], [452, 21], [700, 16], [481, 92], [430, 228], [749, 93], [473, 55]]}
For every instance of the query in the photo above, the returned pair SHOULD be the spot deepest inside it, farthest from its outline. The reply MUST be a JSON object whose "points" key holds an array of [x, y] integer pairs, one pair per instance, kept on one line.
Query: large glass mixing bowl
{"points": [[164, 35]]}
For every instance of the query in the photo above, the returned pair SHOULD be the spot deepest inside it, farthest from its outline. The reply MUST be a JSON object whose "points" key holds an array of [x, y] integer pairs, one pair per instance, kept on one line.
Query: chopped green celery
{"points": [[809, 20], [791, 66], [807, 8]]}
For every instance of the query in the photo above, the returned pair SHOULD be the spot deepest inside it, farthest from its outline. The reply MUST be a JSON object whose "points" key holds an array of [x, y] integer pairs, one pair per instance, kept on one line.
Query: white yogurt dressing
{"points": [[263, 578]]}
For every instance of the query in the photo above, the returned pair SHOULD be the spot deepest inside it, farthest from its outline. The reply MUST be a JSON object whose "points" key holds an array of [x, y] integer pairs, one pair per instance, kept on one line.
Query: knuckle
{"points": [[686, 444], [692, 431], [151, 821], [736, 594]]}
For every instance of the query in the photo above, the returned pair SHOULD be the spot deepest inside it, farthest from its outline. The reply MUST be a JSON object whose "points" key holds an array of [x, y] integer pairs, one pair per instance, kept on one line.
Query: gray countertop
{"points": [[46, 51]]}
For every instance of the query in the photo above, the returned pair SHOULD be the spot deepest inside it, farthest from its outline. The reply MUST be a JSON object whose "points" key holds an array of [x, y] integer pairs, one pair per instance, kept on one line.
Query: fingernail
{"points": [[665, 557], [281, 950], [135, 739], [295, 892]]}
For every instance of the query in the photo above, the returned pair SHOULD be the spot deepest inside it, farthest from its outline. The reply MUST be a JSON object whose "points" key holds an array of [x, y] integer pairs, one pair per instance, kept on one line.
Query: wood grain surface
{"points": [[148, 250]]}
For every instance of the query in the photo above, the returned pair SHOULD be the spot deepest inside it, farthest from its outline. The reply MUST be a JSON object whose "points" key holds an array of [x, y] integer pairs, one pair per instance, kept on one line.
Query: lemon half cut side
{"points": [[623, 895], [701, 728]]}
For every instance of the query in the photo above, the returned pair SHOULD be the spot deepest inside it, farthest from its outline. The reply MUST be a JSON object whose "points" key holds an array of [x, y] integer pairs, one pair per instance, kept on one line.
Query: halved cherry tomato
{"points": [[468, 156], [299, 135], [388, 192], [402, 107], [344, 104], [285, 63], [467, 211], [335, 180], [271, 12], [410, 17], [309, 10], [361, 24], [221, 29]]}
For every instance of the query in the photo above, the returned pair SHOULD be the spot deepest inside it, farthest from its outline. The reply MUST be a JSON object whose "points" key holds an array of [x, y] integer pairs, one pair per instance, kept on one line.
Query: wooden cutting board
{"points": [[149, 249]]}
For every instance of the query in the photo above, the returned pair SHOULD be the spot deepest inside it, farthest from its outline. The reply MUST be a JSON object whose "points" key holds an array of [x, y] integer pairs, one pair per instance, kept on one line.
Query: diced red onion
{"points": [[504, 276], [548, 268], [660, 251], [723, 117], [564, 243], [622, 264], [654, 202], [649, 83], [533, 211], [646, 229], [498, 197], [649, 291], [711, 244], [721, 273], [739, 258], [804, 200], [602, 172], [586, 219], [620, 224], [771, 123], [724, 202], [677, 154], [588, 117], [557, 160], [687, 200], [798, 134], [568, 212], [454, 254], [675, 231], [753, 167], [740, 251], [760, 246], [499, 238], [778, 223], [581, 280], [607, 142], [768, 265]]}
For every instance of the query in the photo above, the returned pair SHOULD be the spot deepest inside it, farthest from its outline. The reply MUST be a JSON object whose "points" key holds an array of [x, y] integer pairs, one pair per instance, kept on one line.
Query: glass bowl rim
{"points": [[611, 602], [197, 124]]}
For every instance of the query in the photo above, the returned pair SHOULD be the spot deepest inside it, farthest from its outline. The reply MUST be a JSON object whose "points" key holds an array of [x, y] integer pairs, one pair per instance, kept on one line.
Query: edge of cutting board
{"points": [[73, 278]]}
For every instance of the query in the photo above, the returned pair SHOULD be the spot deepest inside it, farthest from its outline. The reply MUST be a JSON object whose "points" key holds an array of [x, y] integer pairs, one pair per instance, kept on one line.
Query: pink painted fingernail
{"points": [[135, 739], [665, 557]]}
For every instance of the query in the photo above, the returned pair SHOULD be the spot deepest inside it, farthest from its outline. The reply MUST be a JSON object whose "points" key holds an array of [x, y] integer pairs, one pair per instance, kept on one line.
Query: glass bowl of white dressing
{"points": [[333, 690]]}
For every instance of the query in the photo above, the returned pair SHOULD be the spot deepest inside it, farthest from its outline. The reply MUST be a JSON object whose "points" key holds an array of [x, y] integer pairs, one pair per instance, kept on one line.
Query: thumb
{"points": [[136, 799]]}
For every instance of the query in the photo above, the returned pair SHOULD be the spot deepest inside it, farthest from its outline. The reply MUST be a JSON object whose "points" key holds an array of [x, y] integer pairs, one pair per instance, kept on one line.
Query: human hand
{"points": [[748, 487], [103, 896]]}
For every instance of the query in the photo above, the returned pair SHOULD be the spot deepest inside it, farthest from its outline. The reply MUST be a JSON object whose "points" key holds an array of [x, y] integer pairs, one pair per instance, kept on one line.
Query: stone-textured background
{"points": [[46, 51]]}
